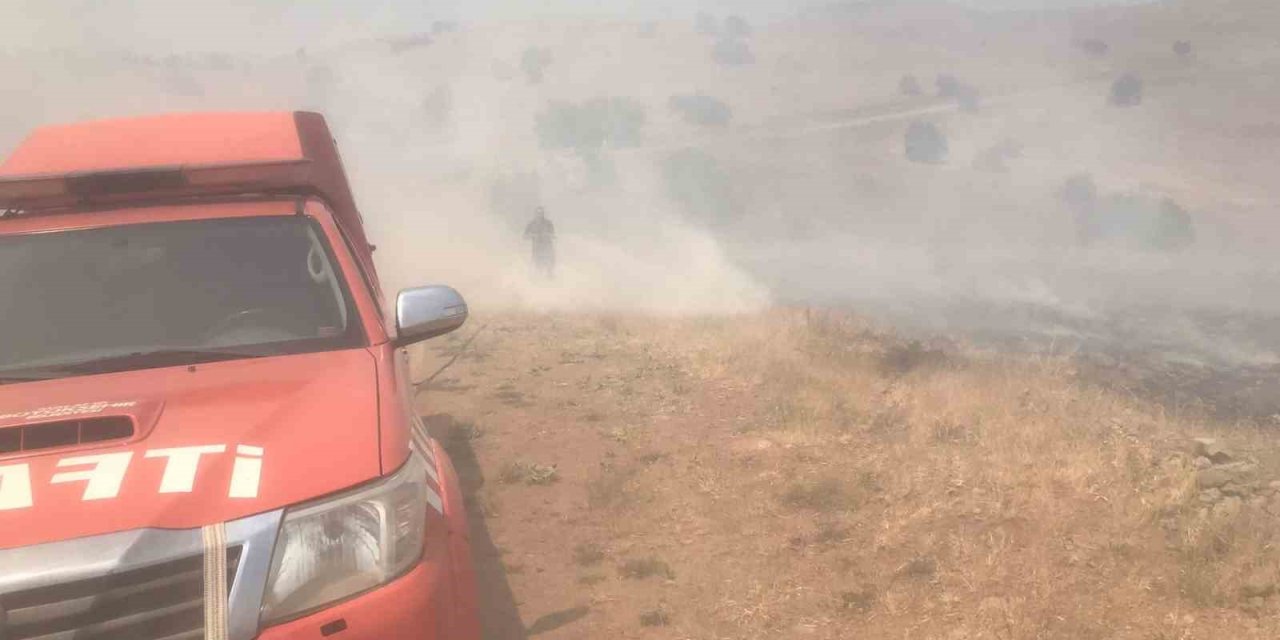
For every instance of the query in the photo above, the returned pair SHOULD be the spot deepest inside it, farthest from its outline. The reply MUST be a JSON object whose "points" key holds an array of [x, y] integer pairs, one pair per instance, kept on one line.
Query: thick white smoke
{"points": [[816, 202]]}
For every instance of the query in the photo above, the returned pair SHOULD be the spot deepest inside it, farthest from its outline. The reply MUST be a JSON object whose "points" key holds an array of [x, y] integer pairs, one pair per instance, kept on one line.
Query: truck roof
{"points": [[157, 141], [173, 158]]}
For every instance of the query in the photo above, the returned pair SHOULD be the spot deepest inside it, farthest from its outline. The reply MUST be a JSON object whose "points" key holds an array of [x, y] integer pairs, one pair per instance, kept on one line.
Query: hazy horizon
{"points": [[801, 191], [277, 26]]}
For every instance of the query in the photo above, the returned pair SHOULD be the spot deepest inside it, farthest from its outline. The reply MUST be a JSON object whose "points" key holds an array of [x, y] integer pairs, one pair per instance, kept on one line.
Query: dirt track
{"points": [[598, 411]]}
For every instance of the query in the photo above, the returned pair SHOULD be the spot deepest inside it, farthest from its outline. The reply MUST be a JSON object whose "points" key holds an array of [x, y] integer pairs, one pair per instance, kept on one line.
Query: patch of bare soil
{"points": [[796, 475]]}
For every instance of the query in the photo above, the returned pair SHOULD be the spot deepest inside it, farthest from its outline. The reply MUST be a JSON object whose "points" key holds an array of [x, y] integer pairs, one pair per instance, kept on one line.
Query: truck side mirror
{"points": [[426, 312]]}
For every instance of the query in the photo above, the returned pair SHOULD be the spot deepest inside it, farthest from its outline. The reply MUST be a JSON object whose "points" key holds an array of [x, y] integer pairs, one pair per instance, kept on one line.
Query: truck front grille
{"points": [[158, 602]]}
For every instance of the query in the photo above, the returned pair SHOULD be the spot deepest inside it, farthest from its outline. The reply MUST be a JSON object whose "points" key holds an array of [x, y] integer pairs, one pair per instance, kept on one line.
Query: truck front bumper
{"points": [[436, 600], [416, 606]]}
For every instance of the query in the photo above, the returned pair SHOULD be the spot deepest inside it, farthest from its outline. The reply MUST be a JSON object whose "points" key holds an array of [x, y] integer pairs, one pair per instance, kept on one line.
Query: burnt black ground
{"points": [[1216, 363]]}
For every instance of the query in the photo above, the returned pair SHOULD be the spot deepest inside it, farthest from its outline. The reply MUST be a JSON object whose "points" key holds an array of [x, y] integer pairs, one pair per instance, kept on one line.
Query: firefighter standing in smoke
{"points": [[542, 234]]}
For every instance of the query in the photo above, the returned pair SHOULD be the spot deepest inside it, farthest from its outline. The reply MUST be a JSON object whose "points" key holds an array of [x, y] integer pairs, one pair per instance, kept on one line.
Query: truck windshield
{"points": [[169, 293]]}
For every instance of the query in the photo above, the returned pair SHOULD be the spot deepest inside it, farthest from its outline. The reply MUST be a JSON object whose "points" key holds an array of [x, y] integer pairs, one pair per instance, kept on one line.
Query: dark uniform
{"points": [[542, 234]]}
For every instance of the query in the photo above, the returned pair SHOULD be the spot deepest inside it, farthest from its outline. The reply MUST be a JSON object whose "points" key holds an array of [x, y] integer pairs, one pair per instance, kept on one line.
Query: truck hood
{"points": [[211, 443]]}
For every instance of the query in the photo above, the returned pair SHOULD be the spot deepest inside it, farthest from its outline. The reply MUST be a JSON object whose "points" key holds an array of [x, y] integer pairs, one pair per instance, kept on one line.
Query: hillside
{"points": [[655, 444], [802, 475]]}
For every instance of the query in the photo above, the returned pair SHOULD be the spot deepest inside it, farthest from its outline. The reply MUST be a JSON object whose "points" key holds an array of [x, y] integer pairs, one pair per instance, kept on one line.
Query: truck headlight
{"points": [[341, 546]]}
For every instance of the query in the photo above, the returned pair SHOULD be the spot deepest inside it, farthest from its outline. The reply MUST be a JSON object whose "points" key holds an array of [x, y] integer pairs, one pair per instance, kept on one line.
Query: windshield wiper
{"points": [[126, 361], [155, 358], [30, 375]]}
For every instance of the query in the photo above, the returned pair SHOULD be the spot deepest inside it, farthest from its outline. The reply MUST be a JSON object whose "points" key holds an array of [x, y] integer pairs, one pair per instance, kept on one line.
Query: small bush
{"points": [[180, 83], [909, 86], [610, 123], [1080, 195], [540, 474], [588, 554], [626, 434], [968, 98], [889, 423], [655, 618], [1182, 48], [606, 491], [706, 24], [1095, 47], [998, 156], [860, 600], [1198, 584], [701, 110], [401, 45], [830, 533], [732, 52], [511, 473], [920, 567], [527, 472], [651, 458], [1079, 192], [901, 359], [1136, 220], [437, 107], [1126, 91], [641, 568], [534, 63], [1173, 229], [948, 86], [736, 27], [825, 494], [925, 143], [951, 432]]}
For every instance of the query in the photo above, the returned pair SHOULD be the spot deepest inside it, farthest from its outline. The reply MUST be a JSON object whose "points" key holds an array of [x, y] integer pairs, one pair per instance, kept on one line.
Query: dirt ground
{"points": [[800, 475]]}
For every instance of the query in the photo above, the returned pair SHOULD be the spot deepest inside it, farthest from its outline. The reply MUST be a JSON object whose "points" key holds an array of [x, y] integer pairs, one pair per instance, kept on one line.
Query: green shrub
{"points": [[732, 52], [925, 143], [701, 110], [602, 123], [534, 62], [1172, 228], [1126, 91]]}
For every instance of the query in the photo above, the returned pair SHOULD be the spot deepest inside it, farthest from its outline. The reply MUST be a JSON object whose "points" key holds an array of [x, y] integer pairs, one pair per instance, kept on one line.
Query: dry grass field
{"points": [[800, 474]]}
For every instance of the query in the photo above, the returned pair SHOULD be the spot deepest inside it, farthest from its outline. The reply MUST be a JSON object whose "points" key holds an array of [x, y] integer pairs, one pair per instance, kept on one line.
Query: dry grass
{"points": [[655, 618], [528, 472], [588, 554], [819, 478], [641, 568]]}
